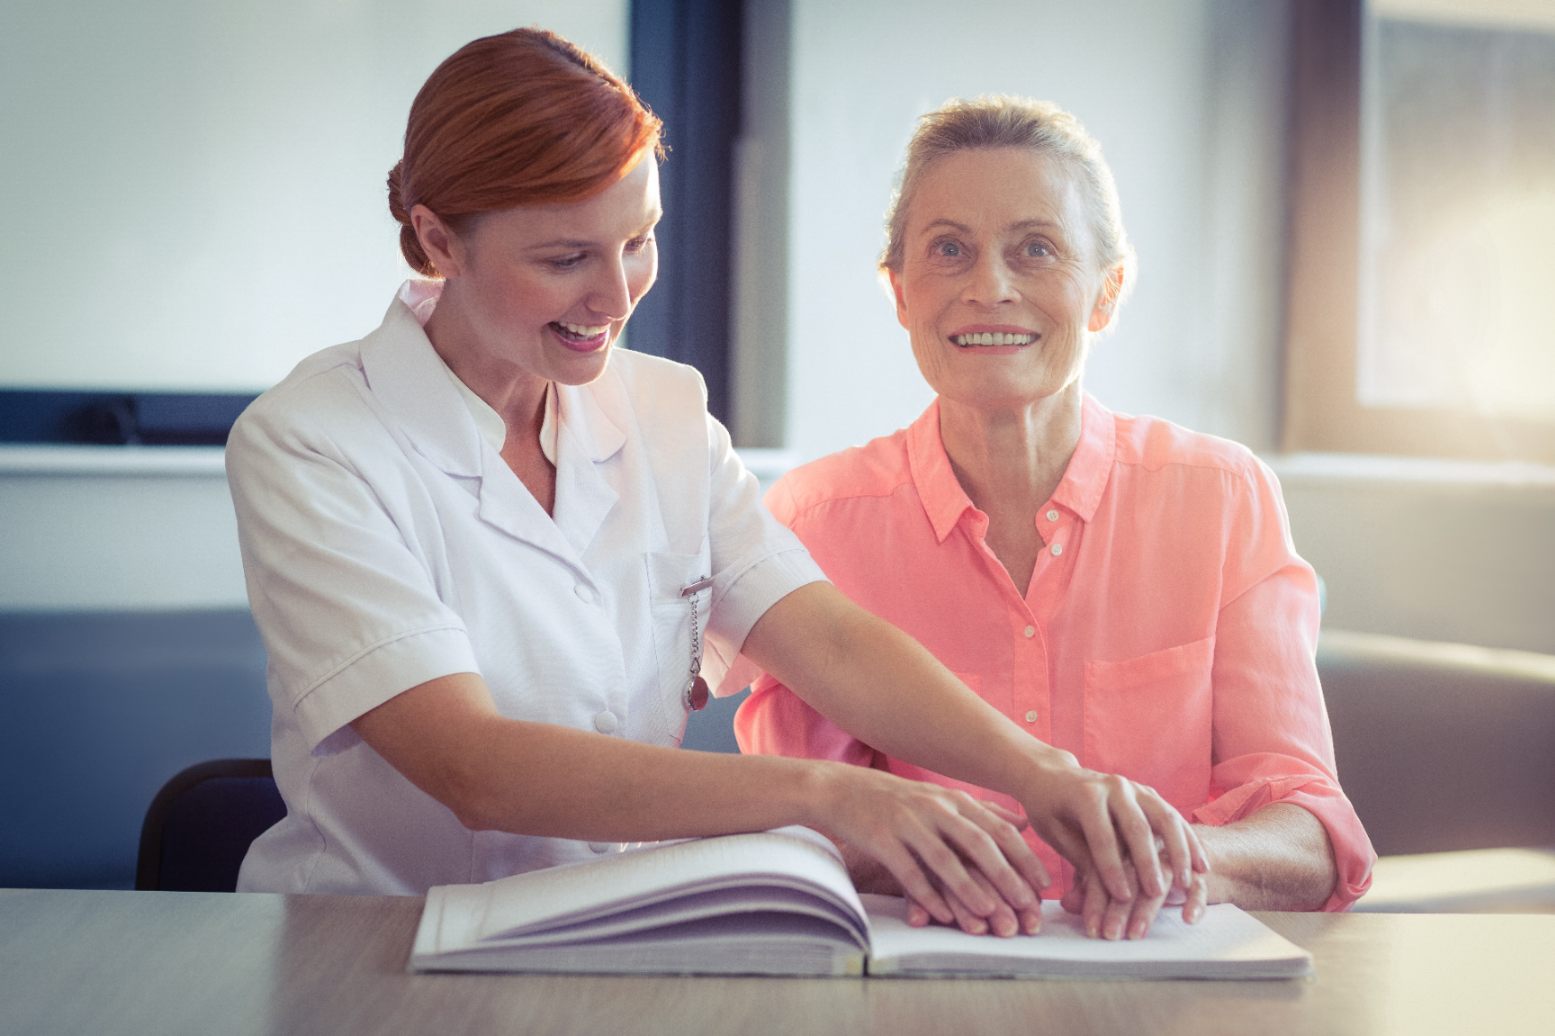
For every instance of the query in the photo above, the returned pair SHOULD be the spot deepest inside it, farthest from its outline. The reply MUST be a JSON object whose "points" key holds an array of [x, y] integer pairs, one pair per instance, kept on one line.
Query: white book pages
{"points": [[1226, 943], [775, 902], [780, 903], [742, 944], [741, 865]]}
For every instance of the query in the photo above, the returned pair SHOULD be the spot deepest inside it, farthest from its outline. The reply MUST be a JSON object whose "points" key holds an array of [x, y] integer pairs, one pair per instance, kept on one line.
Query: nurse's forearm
{"points": [[1279, 858], [887, 690], [493, 773], [446, 737]]}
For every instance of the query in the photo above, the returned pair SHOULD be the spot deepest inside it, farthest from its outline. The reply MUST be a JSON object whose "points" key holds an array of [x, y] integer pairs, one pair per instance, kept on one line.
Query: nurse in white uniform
{"points": [[495, 560]]}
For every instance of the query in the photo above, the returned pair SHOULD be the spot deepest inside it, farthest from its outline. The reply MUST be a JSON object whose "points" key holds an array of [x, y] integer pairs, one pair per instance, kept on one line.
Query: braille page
{"points": [[1226, 943]]}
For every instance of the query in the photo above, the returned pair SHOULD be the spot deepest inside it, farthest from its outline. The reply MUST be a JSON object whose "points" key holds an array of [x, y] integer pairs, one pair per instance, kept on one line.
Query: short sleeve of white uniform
{"points": [[757, 561], [348, 612]]}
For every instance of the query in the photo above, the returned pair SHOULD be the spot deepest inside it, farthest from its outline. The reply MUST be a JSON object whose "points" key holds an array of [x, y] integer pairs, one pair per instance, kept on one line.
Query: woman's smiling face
{"points": [[542, 291], [1000, 286]]}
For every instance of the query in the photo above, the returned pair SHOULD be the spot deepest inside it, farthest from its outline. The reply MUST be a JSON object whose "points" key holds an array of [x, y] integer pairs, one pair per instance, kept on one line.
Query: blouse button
{"points": [[1031, 715], [1030, 631], [601, 847], [1052, 516], [606, 722], [584, 593], [1056, 549]]}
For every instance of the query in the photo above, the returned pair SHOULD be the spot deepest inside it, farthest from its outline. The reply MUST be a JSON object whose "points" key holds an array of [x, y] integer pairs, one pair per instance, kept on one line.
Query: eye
{"points": [[566, 262], [1037, 248], [637, 244], [947, 248]]}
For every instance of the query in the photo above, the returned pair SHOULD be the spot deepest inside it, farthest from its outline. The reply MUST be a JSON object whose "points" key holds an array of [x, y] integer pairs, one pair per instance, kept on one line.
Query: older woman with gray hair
{"points": [[1120, 587]]}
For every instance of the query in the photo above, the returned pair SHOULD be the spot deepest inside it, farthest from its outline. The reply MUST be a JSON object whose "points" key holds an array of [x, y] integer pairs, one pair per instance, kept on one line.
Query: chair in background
{"points": [[143, 694], [200, 825], [1448, 753]]}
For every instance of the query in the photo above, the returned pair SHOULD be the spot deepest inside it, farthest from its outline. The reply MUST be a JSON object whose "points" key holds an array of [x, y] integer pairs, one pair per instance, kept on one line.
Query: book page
{"points": [[770, 903], [1226, 943], [762, 909], [792, 858]]}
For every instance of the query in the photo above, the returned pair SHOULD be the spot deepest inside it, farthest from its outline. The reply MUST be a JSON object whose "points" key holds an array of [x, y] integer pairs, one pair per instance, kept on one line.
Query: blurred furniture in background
{"points": [[1448, 753], [97, 711], [200, 825]]}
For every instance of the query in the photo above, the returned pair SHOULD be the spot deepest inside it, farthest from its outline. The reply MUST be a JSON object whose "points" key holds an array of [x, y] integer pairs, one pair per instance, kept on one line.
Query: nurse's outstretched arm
{"points": [[885, 689], [494, 773]]}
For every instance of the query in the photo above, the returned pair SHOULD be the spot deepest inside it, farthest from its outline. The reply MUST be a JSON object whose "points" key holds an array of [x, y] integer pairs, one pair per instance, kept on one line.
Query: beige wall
{"points": [[1436, 552]]}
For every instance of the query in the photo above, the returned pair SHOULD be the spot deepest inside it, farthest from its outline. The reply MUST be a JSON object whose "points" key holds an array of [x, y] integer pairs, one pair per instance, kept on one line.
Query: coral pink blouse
{"points": [[1168, 632]]}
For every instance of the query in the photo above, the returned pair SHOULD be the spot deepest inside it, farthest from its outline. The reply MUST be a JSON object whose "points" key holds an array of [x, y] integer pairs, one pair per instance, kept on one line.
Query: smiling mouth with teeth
{"points": [[579, 332], [992, 338]]}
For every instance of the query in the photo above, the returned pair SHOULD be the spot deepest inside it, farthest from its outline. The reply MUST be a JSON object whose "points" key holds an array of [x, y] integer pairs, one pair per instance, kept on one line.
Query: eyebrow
{"points": [[567, 245], [1035, 224], [577, 245], [1024, 224]]}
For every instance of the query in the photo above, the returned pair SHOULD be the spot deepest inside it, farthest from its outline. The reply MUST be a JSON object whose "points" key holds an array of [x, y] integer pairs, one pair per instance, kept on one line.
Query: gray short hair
{"points": [[985, 123]]}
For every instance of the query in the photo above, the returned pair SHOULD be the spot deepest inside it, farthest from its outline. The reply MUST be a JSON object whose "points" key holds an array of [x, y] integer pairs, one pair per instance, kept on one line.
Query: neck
{"points": [[1010, 459], [517, 396]]}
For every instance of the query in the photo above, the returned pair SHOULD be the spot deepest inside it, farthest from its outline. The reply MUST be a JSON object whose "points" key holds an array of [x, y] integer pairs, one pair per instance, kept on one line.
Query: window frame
{"points": [[1322, 410], [686, 64]]}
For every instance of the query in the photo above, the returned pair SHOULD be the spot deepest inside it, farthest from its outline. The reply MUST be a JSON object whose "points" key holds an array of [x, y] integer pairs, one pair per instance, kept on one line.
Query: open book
{"points": [[780, 903]]}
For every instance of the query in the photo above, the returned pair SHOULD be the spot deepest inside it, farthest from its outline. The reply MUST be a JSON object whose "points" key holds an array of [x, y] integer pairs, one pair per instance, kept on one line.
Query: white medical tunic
{"points": [[386, 543]]}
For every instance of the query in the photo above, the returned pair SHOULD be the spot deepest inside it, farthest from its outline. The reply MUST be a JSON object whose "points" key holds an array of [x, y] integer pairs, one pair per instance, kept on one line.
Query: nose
{"points": [[612, 294], [988, 282]]}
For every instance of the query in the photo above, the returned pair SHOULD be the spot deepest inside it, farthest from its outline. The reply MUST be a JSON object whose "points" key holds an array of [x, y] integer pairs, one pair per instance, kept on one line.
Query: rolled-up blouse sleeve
{"points": [[1271, 737], [347, 611], [756, 562]]}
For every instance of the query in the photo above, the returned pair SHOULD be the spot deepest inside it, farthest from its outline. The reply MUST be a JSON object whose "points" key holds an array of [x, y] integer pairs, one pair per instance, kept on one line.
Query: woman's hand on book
{"points": [[1123, 833], [1005, 921], [1104, 917], [869, 875], [957, 859]]}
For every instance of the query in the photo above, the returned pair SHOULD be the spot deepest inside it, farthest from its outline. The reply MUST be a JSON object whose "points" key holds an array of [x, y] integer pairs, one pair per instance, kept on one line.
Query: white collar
{"points": [[421, 297]]}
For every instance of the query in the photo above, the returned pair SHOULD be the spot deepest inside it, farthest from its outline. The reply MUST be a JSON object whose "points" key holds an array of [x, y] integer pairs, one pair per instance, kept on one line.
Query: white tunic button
{"points": [[1030, 631], [1031, 715], [1052, 516], [606, 722], [1056, 549], [602, 847], [584, 593]]}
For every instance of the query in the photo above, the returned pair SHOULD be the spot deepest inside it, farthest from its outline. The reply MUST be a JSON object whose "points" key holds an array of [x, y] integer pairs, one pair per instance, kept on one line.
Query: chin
{"points": [[583, 369]]}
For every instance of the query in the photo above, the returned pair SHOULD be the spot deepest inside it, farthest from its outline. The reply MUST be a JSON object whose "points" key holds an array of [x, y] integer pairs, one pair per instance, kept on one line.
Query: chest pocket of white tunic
{"points": [[680, 600]]}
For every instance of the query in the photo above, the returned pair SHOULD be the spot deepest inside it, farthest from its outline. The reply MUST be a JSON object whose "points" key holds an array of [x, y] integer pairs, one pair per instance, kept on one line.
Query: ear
{"points": [[438, 241], [896, 293], [1107, 299]]}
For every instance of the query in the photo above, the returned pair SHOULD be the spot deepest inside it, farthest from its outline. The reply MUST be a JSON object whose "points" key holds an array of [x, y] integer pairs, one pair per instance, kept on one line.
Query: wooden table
{"points": [[169, 962]]}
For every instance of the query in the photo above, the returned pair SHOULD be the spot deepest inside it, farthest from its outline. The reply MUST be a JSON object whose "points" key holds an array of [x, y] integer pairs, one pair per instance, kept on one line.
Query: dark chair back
{"points": [[200, 825]]}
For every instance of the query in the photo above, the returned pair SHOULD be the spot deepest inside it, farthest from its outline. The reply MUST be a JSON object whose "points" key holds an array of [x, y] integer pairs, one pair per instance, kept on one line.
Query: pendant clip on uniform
{"points": [[696, 693]]}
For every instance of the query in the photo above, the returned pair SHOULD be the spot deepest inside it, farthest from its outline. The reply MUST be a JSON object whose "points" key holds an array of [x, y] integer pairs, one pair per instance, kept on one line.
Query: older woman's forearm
{"points": [[1279, 858]]}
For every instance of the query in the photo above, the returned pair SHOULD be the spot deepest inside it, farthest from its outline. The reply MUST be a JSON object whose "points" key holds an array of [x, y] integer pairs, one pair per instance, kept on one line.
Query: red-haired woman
{"points": [[490, 555]]}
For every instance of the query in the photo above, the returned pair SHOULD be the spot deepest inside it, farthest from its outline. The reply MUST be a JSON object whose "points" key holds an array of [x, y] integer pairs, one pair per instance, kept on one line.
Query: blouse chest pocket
{"points": [[680, 592], [1150, 719]]}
